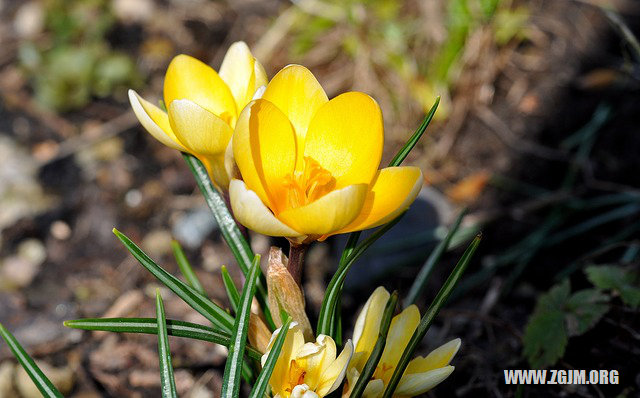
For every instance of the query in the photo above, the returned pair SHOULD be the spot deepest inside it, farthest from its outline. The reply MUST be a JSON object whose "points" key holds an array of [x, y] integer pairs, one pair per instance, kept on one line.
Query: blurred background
{"points": [[537, 134]]}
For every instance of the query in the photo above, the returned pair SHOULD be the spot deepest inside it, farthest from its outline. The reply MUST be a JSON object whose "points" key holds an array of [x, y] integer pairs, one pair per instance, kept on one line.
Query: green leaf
{"points": [[545, 338], [334, 290], [262, 382], [233, 367], [559, 315], [624, 281], [164, 352], [198, 302], [423, 276], [378, 348], [228, 227], [149, 326], [404, 151], [45, 386], [230, 287], [584, 309], [185, 267], [433, 310]]}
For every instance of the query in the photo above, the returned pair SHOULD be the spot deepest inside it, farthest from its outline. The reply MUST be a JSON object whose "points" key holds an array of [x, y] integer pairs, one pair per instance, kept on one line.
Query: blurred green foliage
{"points": [[560, 314], [398, 41], [74, 61]]}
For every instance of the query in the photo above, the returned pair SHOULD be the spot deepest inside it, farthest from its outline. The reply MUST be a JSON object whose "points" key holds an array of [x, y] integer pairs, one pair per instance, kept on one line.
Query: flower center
{"points": [[296, 376], [308, 185]]}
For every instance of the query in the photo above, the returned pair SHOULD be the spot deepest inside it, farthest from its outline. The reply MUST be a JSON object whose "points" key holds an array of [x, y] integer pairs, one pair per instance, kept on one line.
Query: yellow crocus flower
{"points": [[422, 373], [203, 107], [307, 370], [309, 165]]}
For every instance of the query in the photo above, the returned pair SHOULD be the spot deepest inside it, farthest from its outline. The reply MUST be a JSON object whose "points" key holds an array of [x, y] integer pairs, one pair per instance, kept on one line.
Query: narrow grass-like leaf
{"points": [[426, 321], [378, 349], [262, 382], [229, 229], [404, 151], [197, 301], [334, 290], [149, 326], [45, 386], [185, 267], [423, 276], [167, 380], [233, 367], [232, 290]]}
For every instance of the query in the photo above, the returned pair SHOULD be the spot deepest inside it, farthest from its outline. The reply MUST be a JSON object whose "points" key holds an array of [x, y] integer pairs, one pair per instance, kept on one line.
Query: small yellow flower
{"points": [[422, 374], [307, 370], [310, 166], [203, 107]]}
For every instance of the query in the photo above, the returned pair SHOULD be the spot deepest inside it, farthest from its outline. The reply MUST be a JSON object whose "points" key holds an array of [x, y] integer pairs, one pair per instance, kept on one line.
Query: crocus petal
{"points": [[264, 146], [154, 120], [346, 137], [402, 327], [238, 71], [292, 344], [333, 375], [199, 130], [365, 332], [374, 389], [327, 214], [392, 192], [438, 358], [415, 384], [298, 94], [249, 210], [189, 78]]}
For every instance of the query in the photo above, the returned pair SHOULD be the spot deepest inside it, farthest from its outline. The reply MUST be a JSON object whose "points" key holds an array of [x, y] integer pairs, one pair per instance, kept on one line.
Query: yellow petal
{"points": [[238, 71], [334, 373], [346, 137], [264, 147], [415, 384], [217, 171], [199, 130], [298, 94], [365, 332], [189, 78], [261, 75], [327, 214], [392, 192], [249, 210], [292, 344], [374, 389], [154, 120], [438, 358], [402, 327]]}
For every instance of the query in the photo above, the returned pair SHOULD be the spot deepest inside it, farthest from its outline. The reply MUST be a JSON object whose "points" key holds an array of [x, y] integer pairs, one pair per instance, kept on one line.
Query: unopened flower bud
{"points": [[285, 294]]}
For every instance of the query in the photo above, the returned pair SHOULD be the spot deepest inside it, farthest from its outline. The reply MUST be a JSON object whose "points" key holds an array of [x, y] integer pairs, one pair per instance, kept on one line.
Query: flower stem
{"points": [[296, 259]]}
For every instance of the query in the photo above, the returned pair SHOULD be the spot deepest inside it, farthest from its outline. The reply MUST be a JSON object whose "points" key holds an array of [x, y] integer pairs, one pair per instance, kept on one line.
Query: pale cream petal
{"points": [[249, 210], [437, 358], [365, 332], [418, 383], [334, 374], [402, 327], [327, 214], [238, 71], [374, 389], [155, 121], [199, 130]]}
